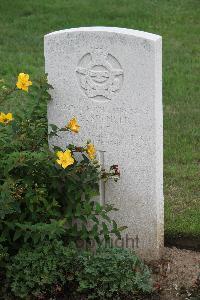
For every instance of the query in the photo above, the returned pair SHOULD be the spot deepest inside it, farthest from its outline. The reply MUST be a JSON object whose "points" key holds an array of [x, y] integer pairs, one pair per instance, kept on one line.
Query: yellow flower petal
{"points": [[2, 117], [9, 116], [59, 161], [6, 118], [23, 82], [91, 151], [65, 158], [73, 125], [59, 154]]}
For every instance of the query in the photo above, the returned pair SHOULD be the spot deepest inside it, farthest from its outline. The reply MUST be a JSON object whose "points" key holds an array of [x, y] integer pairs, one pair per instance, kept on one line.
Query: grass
{"points": [[23, 24]]}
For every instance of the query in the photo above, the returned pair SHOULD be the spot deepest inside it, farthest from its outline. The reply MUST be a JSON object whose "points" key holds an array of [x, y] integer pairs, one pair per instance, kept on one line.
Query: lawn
{"points": [[23, 24]]}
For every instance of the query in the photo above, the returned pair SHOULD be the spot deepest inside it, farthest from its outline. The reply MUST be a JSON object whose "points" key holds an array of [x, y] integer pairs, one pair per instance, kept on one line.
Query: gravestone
{"points": [[111, 80]]}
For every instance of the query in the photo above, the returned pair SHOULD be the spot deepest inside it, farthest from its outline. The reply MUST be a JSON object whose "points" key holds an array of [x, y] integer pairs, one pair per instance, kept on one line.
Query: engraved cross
{"points": [[102, 183]]}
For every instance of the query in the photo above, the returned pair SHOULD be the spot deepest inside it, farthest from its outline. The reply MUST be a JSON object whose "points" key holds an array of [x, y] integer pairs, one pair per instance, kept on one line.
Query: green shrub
{"points": [[41, 198], [52, 270], [42, 271], [112, 273]]}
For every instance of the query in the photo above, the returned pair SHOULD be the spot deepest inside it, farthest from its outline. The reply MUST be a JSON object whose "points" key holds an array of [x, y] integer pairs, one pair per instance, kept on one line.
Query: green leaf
{"points": [[94, 218], [122, 228], [53, 127], [105, 228], [27, 236], [105, 217], [17, 235], [98, 208]]}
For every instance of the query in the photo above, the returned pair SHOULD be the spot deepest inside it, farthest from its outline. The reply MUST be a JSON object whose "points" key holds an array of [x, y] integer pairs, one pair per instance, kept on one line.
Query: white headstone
{"points": [[111, 80]]}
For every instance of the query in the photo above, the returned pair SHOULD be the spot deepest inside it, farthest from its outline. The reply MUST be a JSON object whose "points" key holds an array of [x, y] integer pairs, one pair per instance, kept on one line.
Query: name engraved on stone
{"points": [[100, 75]]}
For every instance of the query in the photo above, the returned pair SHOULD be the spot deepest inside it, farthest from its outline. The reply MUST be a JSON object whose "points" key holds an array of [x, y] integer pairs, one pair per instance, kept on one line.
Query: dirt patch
{"points": [[177, 275]]}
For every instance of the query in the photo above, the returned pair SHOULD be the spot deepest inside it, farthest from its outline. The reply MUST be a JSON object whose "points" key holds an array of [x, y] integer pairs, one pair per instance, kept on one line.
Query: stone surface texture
{"points": [[111, 80]]}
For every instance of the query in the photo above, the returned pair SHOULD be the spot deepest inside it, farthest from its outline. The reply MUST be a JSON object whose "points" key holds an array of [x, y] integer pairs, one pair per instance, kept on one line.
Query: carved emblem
{"points": [[100, 75]]}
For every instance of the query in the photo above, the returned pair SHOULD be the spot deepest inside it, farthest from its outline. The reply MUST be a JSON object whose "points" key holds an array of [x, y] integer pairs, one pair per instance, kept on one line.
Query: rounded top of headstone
{"points": [[125, 31]]}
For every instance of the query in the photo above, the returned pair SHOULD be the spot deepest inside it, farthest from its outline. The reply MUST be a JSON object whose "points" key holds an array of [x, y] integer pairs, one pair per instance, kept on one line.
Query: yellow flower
{"points": [[73, 125], [5, 118], [91, 151], [65, 159], [23, 82]]}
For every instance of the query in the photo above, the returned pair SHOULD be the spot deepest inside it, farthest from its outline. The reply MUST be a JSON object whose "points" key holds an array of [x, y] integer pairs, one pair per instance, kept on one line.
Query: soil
{"points": [[177, 275]]}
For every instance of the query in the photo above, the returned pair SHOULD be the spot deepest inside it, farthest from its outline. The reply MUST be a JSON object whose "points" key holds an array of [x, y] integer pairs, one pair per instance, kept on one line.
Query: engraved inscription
{"points": [[100, 75]]}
